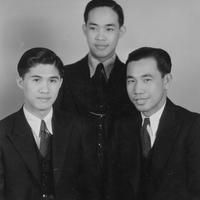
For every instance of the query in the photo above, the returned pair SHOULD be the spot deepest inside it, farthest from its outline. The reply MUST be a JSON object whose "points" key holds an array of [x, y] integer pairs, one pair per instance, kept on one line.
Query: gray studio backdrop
{"points": [[170, 24]]}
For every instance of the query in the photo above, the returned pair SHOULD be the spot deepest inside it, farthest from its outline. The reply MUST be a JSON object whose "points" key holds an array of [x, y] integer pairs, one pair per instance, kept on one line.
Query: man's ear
{"points": [[20, 82], [167, 80], [84, 28], [61, 80], [122, 30]]}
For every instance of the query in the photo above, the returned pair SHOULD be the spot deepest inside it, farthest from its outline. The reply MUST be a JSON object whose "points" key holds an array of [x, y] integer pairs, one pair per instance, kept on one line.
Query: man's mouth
{"points": [[100, 46], [44, 99], [140, 101]]}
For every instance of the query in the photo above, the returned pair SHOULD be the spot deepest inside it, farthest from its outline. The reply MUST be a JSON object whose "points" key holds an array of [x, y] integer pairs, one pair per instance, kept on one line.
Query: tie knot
{"points": [[146, 122], [43, 129], [100, 67], [100, 71]]}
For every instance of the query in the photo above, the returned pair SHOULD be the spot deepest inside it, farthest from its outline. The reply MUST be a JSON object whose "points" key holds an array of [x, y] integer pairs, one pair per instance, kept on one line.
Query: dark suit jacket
{"points": [[174, 169], [78, 92], [19, 165], [78, 95]]}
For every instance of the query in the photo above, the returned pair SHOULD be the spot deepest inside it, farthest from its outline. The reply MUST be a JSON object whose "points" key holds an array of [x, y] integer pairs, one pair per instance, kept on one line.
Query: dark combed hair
{"points": [[105, 3], [39, 55], [161, 56]]}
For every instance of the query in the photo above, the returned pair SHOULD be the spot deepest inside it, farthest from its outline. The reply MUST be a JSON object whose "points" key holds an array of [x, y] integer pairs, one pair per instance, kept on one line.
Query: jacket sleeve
{"points": [[2, 179], [2, 171], [193, 160]]}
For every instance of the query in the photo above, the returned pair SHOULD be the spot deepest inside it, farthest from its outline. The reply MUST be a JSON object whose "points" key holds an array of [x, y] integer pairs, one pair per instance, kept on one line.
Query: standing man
{"points": [[166, 164], [95, 86], [40, 149]]}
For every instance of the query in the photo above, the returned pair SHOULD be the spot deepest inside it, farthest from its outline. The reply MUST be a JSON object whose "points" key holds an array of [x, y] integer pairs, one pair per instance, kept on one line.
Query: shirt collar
{"points": [[155, 119], [35, 122], [108, 64]]}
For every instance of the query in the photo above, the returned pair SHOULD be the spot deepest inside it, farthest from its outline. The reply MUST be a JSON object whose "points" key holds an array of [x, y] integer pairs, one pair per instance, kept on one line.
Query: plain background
{"points": [[173, 25]]}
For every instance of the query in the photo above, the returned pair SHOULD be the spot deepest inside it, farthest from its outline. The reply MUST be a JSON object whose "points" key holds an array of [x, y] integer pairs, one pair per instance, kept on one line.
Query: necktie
{"points": [[99, 79], [100, 76], [145, 138], [44, 138]]}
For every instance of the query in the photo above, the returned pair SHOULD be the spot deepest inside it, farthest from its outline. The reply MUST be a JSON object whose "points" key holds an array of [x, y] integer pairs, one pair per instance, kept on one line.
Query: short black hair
{"points": [[161, 56], [39, 55], [105, 3]]}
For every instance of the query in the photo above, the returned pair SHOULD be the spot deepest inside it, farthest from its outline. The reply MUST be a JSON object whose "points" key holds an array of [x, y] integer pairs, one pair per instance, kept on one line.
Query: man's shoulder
{"points": [[66, 118], [7, 122], [183, 114], [186, 114], [78, 64], [10, 117], [119, 62]]}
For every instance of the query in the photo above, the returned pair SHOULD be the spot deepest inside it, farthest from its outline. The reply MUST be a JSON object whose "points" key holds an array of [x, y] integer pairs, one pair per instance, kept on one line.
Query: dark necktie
{"points": [[99, 79], [145, 138], [44, 138], [100, 76]]}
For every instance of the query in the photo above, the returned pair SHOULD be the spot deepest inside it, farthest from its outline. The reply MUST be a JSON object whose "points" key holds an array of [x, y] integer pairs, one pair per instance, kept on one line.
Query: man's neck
{"points": [[108, 64]]}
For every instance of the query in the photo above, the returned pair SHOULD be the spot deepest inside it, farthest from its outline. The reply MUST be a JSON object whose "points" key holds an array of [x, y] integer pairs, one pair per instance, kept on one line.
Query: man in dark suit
{"points": [[41, 150], [155, 153], [95, 86]]}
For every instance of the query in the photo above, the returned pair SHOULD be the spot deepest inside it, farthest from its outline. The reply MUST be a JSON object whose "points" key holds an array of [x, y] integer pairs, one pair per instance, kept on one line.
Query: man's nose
{"points": [[100, 34], [44, 87], [138, 88]]}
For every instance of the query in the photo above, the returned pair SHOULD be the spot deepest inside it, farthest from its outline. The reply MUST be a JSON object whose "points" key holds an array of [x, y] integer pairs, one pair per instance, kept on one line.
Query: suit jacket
{"points": [[19, 166], [175, 157], [78, 92]]}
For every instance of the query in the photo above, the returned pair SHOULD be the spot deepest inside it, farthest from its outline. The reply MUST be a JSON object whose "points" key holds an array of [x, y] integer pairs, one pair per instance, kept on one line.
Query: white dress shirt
{"points": [[35, 123]]}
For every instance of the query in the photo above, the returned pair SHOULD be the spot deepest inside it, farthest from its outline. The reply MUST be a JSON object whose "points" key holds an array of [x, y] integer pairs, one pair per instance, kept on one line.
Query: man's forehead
{"points": [[43, 70], [103, 15], [143, 67]]}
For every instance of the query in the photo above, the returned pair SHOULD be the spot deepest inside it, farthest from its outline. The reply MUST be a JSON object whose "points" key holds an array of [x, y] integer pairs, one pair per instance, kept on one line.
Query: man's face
{"points": [[40, 86], [102, 31], [146, 88]]}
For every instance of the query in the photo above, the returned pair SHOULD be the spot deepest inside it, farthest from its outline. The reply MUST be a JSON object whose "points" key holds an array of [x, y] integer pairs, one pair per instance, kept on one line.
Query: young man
{"points": [[156, 154], [95, 85], [104, 26], [40, 149]]}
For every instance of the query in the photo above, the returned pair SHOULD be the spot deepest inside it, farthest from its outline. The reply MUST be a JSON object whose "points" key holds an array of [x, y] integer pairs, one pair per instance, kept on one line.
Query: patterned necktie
{"points": [[145, 138], [44, 138]]}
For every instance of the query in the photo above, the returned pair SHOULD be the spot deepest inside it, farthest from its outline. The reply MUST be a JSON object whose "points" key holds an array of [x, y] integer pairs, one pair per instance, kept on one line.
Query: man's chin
{"points": [[141, 107]]}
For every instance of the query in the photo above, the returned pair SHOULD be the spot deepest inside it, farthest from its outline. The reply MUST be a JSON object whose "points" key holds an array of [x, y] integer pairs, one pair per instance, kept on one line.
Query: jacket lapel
{"points": [[166, 137], [61, 132], [23, 140]]}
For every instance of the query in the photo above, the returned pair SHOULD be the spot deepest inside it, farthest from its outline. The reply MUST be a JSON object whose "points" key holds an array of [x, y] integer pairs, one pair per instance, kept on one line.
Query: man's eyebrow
{"points": [[147, 75], [54, 77], [92, 24], [38, 76], [107, 25], [129, 76], [110, 25], [35, 76]]}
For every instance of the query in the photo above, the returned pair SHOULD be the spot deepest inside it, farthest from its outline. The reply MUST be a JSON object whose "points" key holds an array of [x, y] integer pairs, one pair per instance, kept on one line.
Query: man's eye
{"points": [[54, 81], [110, 29], [130, 81], [92, 28], [147, 80], [36, 79]]}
